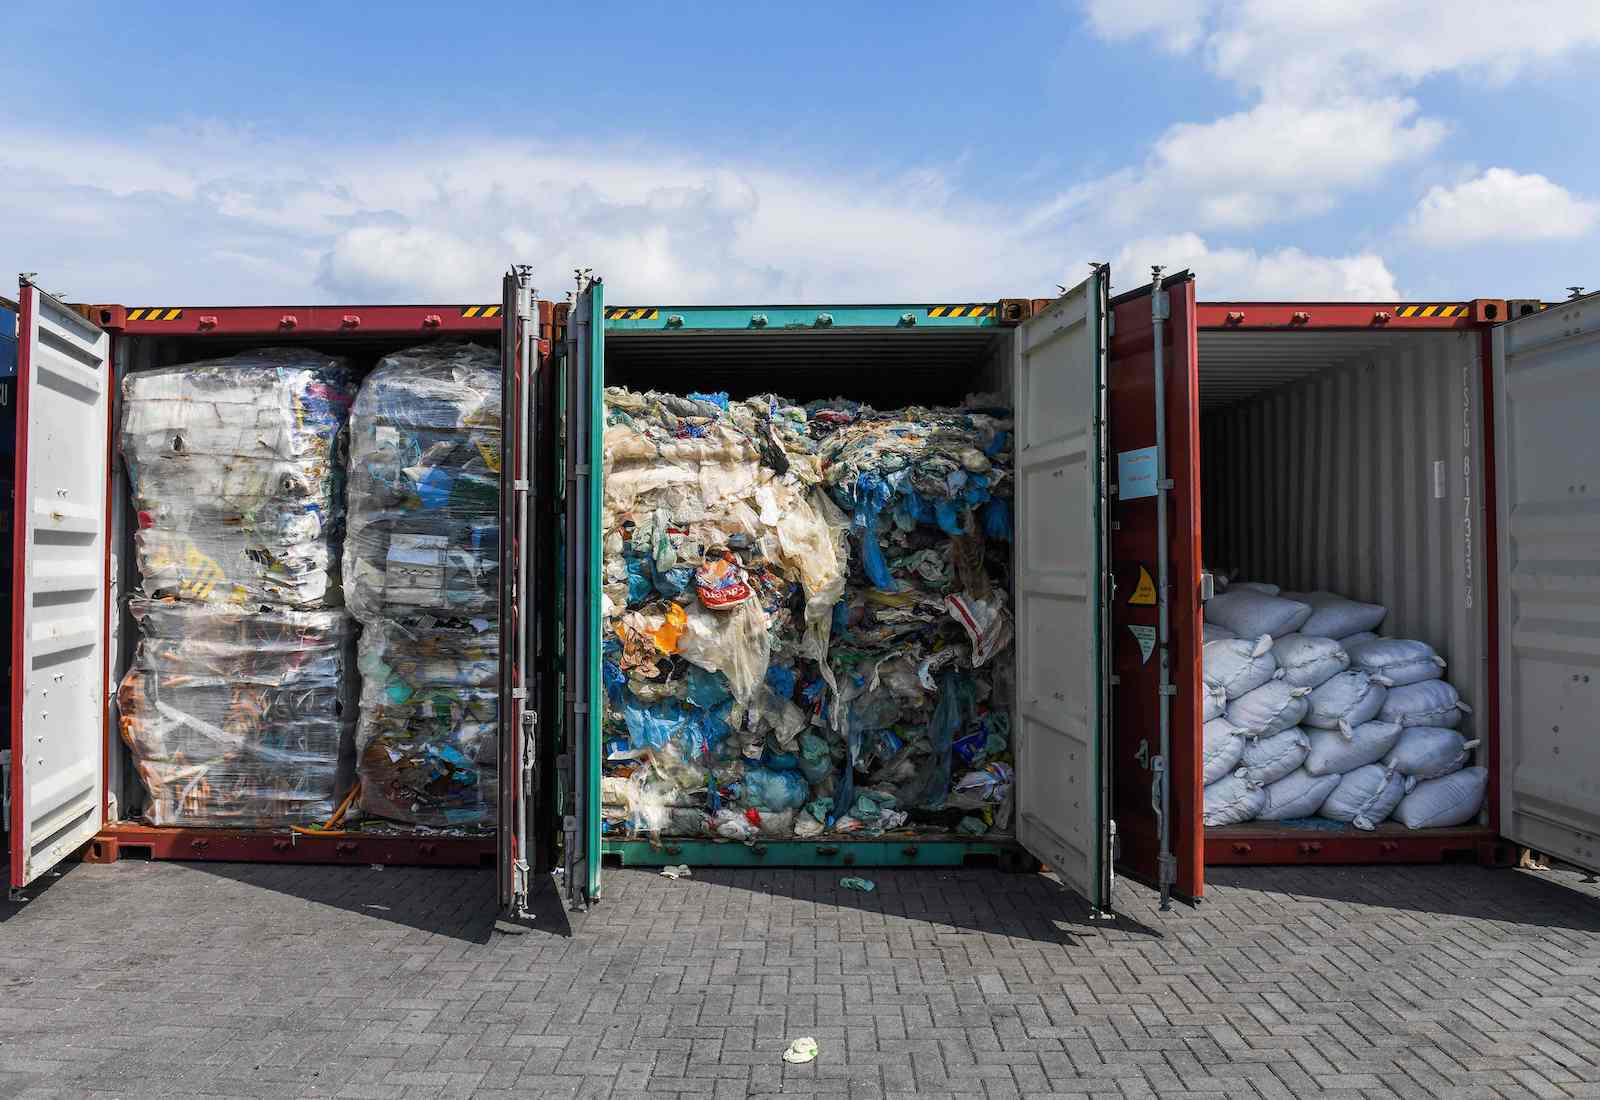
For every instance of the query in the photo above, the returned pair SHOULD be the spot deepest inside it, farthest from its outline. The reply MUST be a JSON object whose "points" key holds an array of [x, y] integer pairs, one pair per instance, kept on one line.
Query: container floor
{"points": [[131, 841], [885, 851], [1316, 841]]}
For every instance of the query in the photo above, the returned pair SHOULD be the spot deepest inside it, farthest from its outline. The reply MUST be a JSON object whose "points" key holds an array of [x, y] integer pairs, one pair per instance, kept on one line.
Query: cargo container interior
{"points": [[1355, 462], [888, 368], [1350, 461], [149, 352]]}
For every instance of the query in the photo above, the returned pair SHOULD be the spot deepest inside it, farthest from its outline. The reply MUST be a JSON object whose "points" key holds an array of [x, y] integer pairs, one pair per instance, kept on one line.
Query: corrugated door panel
{"points": [[1335, 482], [1547, 371]]}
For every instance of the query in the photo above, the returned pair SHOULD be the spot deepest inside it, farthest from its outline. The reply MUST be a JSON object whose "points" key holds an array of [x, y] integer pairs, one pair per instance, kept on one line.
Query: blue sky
{"points": [[700, 153]]}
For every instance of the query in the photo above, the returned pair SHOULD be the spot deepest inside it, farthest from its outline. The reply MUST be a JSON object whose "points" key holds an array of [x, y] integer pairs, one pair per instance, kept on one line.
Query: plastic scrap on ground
{"points": [[801, 1051], [680, 871], [864, 885], [806, 618]]}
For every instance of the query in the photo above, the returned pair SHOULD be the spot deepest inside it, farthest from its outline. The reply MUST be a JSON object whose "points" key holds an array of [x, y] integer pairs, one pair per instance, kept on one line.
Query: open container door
{"points": [[1547, 404], [585, 377], [59, 597], [1061, 580], [519, 351], [1155, 543]]}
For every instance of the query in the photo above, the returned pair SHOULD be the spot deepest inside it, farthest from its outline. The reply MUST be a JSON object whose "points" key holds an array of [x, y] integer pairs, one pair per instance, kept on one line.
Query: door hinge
{"points": [[1169, 689], [519, 693], [1167, 484], [1111, 324]]}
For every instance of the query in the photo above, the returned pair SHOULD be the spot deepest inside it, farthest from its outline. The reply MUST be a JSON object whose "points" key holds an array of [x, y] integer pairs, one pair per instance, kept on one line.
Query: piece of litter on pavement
{"points": [[801, 1051], [865, 885], [377, 866], [680, 871]]}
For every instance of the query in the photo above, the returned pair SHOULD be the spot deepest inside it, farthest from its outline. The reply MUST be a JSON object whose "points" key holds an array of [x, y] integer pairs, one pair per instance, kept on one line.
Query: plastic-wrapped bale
{"points": [[239, 718], [424, 496], [427, 741], [235, 467], [723, 562]]}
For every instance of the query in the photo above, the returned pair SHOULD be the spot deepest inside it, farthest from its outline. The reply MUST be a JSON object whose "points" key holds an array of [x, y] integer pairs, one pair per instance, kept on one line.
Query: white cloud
{"points": [[266, 219], [1313, 48], [1246, 273], [1502, 205], [1328, 79]]}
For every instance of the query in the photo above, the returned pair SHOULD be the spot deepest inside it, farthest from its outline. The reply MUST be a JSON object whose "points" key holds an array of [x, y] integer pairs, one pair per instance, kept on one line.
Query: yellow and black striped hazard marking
{"points": [[480, 311], [961, 311], [632, 313], [155, 313], [1459, 309]]}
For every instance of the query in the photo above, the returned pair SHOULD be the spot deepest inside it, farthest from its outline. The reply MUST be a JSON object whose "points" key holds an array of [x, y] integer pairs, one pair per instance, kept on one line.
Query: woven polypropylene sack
{"points": [[1334, 616], [1346, 701], [1334, 752], [1351, 641], [1298, 794], [1222, 746], [1231, 800], [1270, 708], [1211, 632], [1439, 803], [1266, 588], [1213, 704], [1429, 703], [1429, 752], [1238, 665], [1268, 759], [1308, 661], [1252, 614], [1401, 661], [1365, 797]]}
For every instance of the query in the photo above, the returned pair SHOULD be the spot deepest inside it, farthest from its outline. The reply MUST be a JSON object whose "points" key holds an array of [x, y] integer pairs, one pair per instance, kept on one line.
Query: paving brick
{"points": [[189, 980]]}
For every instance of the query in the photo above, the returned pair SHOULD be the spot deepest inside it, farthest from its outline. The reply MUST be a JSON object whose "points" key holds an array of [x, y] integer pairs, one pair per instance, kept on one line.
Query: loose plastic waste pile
{"points": [[236, 706], [803, 611], [1310, 714], [421, 567]]}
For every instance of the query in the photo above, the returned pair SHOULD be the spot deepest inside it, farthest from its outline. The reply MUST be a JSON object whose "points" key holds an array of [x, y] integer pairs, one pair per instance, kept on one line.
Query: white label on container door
{"points": [[1147, 641]]}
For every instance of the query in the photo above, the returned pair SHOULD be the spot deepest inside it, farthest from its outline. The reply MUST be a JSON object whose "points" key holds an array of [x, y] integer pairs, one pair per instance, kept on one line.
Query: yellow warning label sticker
{"points": [[1145, 592]]}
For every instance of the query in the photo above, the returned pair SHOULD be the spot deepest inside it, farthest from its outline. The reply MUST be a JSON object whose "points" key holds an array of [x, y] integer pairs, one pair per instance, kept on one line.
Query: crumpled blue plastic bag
{"points": [[774, 789]]}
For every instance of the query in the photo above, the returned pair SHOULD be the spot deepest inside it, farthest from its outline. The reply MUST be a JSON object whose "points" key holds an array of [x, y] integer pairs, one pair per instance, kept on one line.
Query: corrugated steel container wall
{"points": [[1366, 479]]}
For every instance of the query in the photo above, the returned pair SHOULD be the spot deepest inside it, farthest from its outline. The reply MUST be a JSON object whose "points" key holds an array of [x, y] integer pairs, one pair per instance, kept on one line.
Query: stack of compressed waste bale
{"points": [[1309, 713], [796, 602], [421, 567], [237, 705]]}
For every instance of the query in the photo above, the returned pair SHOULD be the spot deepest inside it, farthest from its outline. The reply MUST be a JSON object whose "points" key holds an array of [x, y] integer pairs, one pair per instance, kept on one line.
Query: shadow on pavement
{"points": [[1545, 899], [456, 902], [988, 902]]}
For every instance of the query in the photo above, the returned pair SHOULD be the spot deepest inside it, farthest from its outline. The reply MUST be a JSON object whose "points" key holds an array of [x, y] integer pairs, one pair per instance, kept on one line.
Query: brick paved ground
{"points": [[145, 979]]}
